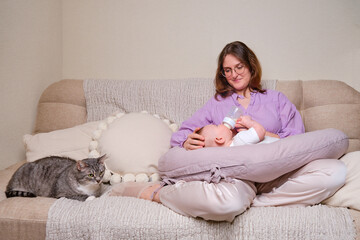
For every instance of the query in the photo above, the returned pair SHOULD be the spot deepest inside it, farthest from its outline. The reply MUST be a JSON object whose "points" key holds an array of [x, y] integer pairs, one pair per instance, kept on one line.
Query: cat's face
{"points": [[91, 170]]}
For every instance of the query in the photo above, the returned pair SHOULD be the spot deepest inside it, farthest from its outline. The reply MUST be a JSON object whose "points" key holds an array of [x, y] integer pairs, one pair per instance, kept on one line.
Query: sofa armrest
{"points": [[5, 176], [62, 105]]}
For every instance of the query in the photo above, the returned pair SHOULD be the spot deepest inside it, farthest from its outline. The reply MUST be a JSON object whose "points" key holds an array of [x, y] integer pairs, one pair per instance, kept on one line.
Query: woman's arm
{"points": [[290, 117], [186, 136]]}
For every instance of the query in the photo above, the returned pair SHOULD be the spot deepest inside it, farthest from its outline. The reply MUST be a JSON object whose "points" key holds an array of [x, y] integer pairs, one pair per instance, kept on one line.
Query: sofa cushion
{"points": [[345, 117], [21, 218], [133, 142], [348, 195], [326, 104], [71, 142], [24, 218]]}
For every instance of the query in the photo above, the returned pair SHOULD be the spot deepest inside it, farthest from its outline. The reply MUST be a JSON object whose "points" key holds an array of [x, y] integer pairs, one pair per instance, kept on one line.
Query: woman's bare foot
{"points": [[147, 191]]}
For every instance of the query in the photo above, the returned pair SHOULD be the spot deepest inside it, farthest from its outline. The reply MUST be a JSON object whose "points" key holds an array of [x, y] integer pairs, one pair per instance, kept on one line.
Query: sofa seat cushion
{"points": [[21, 218], [24, 218]]}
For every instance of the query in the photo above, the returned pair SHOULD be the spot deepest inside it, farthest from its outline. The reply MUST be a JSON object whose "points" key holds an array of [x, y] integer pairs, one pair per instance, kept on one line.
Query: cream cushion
{"points": [[134, 142], [347, 196], [71, 142]]}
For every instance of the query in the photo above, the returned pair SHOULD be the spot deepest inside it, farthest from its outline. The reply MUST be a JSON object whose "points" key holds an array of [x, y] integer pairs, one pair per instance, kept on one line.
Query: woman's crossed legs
{"points": [[305, 186]]}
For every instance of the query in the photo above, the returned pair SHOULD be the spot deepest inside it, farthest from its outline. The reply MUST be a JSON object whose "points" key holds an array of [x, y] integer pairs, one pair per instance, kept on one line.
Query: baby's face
{"points": [[217, 136]]}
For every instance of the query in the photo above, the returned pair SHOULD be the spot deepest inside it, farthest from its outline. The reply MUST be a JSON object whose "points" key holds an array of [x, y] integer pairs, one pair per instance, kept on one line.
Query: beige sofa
{"points": [[322, 104]]}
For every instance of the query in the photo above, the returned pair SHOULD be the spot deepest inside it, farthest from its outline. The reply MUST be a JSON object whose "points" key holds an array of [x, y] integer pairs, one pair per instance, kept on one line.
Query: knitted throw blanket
{"points": [[130, 218], [175, 100]]}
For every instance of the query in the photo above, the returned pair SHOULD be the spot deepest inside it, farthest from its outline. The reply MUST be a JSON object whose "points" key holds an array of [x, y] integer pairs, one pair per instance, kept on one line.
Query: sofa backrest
{"points": [[321, 103], [326, 104]]}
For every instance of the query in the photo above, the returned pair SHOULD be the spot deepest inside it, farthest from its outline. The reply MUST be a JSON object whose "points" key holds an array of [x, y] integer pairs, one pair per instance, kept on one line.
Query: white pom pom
{"points": [[155, 177], [110, 119], [141, 177], [119, 115], [94, 154], [167, 121], [174, 127], [115, 178], [107, 176], [102, 126], [96, 134], [93, 145], [129, 177], [144, 112]]}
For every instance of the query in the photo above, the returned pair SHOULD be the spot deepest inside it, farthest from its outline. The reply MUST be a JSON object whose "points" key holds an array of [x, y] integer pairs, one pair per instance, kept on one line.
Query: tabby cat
{"points": [[58, 177]]}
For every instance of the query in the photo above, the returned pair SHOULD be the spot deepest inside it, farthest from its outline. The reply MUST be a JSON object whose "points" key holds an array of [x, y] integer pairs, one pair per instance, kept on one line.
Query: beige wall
{"points": [[308, 39], [42, 41], [30, 58]]}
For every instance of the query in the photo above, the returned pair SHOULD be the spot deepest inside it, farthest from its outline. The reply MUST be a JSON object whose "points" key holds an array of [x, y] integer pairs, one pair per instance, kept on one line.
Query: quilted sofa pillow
{"points": [[71, 142], [132, 143], [258, 162]]}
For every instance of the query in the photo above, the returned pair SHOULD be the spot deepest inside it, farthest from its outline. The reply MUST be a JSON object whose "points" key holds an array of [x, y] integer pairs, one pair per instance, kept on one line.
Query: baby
{"points": [[250, 132]]}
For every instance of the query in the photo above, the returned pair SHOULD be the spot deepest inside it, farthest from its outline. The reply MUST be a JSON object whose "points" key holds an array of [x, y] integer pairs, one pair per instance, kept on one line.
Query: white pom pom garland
{"points": [[93, 145], [114, 178], [129, 177], [94, 154], [141, 177], [155, 177], [107, 176]]}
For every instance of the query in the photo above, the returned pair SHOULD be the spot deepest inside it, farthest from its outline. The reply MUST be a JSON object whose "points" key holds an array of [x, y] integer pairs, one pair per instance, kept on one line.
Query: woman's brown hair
{"points": [[248, 58]]}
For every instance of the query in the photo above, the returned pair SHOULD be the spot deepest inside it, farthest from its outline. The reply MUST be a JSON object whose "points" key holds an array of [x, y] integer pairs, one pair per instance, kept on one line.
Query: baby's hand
{"points": [[244, 122]]}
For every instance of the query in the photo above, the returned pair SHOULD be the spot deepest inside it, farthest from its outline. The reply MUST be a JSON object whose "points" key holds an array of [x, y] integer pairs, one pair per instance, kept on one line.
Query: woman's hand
{"points": [[194, 141]]}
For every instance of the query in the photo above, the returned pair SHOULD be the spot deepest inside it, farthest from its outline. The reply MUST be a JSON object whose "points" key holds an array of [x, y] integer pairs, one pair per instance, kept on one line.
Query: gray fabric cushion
{"points": [[258, 163]]}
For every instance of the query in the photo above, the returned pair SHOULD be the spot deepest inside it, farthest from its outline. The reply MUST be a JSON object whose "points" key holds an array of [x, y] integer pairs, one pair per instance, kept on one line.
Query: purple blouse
{"points": [[271, 109]]}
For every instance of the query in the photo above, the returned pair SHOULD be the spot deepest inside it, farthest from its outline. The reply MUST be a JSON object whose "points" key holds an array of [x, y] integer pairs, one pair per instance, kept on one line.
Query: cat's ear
{"points": [[102, 159], [80, 165]]}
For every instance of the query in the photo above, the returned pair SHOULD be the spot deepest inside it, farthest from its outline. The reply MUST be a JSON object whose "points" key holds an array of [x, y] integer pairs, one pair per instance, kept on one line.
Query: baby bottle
{"points": [[230, 119]]}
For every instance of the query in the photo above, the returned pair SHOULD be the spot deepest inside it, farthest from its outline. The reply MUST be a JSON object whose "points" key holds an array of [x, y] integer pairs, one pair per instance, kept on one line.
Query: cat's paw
{"points": [[90, 198]]}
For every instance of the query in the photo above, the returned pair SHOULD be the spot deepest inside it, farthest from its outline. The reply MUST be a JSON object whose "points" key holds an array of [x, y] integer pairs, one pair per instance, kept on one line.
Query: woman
{"points": [[238, 82]]}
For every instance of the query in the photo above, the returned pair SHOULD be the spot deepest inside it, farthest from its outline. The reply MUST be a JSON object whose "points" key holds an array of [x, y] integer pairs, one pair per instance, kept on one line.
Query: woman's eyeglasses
{"points": [[228, 72]]}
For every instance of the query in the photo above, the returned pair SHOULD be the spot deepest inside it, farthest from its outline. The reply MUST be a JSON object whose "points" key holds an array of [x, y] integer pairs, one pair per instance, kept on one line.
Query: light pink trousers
{"points": [[223, 201]]}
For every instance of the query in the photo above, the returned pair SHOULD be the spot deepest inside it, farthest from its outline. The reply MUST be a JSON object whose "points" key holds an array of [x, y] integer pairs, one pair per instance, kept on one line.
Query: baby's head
{"points": [[216, 135]]}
